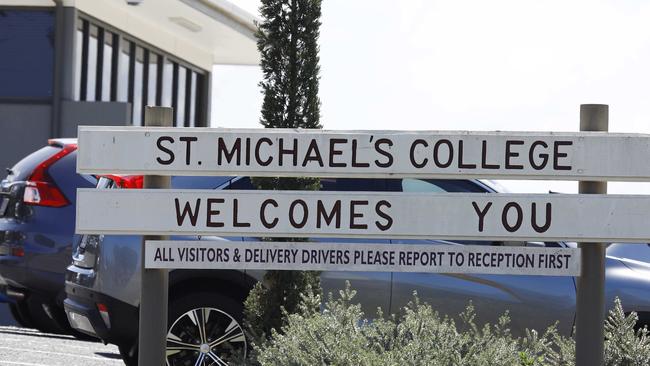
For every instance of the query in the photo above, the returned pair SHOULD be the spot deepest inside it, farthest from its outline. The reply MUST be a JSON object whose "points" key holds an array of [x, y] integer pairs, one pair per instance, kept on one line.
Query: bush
{"points": [[340, 335]]}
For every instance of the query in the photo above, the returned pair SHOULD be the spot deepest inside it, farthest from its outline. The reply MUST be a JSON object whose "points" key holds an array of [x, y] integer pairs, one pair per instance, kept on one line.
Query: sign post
{"points": [[152, 334], [590, 299]]}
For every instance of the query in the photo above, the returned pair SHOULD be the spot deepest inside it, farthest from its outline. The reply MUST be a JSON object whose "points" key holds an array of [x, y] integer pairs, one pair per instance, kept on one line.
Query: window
{"points": [[180, 109], [152, 78], [168, 70], [91, 60], [138, 86], [114, 67], [123, 71], [417, 185], [27, 49], [358, 184], [77, 59], [107, 65], [444, 185], [192, 99]]}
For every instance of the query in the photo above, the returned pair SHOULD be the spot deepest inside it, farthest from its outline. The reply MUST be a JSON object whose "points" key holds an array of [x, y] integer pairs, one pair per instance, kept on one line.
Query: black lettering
{"points": [[305, 214], [158, 256], [557, 155], [354, 214], [481, 214], [321, 213], [187, 211], [355, 163], [188, 147], [222, 150], [258, 146], [313, 154], [547, 223], [334, 152], [412, 154], [166, 150], [544, 156], [461, 165], [504, 217], [211, 212], [389, 220], [383, 152], [484, 163], [512, 154], [292, 151], [247, 153], [272, 224], [235, 215], [436, 153]]}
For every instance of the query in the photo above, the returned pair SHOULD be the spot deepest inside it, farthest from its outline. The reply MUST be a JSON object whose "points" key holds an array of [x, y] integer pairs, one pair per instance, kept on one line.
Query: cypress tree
{"points": [[287, 41]]}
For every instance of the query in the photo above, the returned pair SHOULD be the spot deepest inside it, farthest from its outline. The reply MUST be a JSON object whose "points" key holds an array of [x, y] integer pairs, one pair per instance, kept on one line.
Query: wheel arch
{"points": [[235, 284]]}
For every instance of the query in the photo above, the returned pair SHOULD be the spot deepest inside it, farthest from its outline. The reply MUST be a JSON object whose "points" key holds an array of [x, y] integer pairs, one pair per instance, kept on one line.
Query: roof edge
{"points": [[226, 12]]}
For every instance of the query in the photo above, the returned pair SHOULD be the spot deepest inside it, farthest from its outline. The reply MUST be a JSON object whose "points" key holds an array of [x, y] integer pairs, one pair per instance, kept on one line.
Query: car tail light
{"points": [[126, 181], [18, 252], [40, 189], [103, 312]]}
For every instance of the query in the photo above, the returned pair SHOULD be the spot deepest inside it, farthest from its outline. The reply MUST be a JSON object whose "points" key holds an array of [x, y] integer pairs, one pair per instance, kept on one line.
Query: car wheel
{"points": [[41, 320], [205, 329], [21, 315]]}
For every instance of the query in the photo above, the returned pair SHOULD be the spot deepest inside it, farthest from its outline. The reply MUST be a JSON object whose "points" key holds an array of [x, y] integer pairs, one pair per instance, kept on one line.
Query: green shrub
{"points": [[340, 335]]}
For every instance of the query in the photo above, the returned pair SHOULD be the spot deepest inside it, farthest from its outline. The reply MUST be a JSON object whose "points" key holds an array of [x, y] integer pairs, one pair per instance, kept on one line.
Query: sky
{"points": [[509, 65]]}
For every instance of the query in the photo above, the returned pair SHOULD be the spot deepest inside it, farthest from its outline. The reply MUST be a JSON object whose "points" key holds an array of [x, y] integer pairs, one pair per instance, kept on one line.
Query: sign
{"points": [[433, 258], [415, 154], [462, 216]]}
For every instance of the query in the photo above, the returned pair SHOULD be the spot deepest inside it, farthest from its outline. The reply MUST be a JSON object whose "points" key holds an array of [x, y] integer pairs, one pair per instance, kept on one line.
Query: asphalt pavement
{"points": [[29, 347]]}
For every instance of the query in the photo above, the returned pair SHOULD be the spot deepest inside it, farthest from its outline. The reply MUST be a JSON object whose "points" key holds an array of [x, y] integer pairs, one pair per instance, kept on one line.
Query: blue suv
{"points": [[37, 211]]}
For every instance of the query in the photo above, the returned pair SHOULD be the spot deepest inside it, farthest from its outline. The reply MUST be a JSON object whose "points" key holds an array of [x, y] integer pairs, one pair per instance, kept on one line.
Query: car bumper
{"points": [[117, 324]]}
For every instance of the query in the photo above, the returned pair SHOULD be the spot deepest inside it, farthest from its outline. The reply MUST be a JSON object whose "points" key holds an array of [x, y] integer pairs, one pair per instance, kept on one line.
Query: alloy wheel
{"points": [[205, 337]]}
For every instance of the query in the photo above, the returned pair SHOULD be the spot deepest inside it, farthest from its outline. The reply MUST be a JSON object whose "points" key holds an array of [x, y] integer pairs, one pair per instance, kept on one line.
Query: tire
{"points": [[40, 318], [21, 315], [220, 340]]}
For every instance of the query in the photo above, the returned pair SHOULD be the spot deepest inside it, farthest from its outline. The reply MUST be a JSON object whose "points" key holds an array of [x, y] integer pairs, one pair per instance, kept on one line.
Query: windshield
{"points": [[636, 252]]}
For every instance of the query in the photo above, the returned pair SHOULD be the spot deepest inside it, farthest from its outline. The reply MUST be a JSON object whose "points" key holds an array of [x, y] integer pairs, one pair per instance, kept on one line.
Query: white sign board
{"points": [[501, 217], [417, 154], [433, 258]]}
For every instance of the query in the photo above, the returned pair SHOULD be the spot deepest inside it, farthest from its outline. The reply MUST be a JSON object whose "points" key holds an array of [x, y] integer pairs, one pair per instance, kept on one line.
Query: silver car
{"points": [[103, 283]]}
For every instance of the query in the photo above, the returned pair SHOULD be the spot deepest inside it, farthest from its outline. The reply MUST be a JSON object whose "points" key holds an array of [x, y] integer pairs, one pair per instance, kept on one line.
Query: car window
{"points": [[243, 183], [359, 185], [418, 185], [441, 185]]}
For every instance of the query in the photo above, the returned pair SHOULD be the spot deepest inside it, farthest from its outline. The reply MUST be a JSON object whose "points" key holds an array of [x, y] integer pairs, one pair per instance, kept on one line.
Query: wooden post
{"points": [[152, 336], [590, 299]]}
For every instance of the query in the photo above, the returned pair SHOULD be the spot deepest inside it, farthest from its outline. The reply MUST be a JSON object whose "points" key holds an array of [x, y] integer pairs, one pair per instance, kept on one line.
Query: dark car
{"points": [[37, 211]]}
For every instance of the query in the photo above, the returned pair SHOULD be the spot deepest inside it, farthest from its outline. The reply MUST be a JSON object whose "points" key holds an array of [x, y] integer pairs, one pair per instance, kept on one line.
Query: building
{"points": [[99, 62]]}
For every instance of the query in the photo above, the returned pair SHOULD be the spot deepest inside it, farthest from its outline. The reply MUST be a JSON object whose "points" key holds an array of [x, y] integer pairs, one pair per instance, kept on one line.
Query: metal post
{"points": [[590, 310], [153, 288]]}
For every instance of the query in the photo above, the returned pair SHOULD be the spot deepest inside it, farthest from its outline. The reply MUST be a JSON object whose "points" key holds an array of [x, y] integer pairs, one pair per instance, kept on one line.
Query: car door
{"points": [[532, 301], [373, 288]]}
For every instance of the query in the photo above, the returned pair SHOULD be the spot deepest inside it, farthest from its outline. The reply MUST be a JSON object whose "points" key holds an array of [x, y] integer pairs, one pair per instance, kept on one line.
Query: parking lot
{"points": [[21, 346]]}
